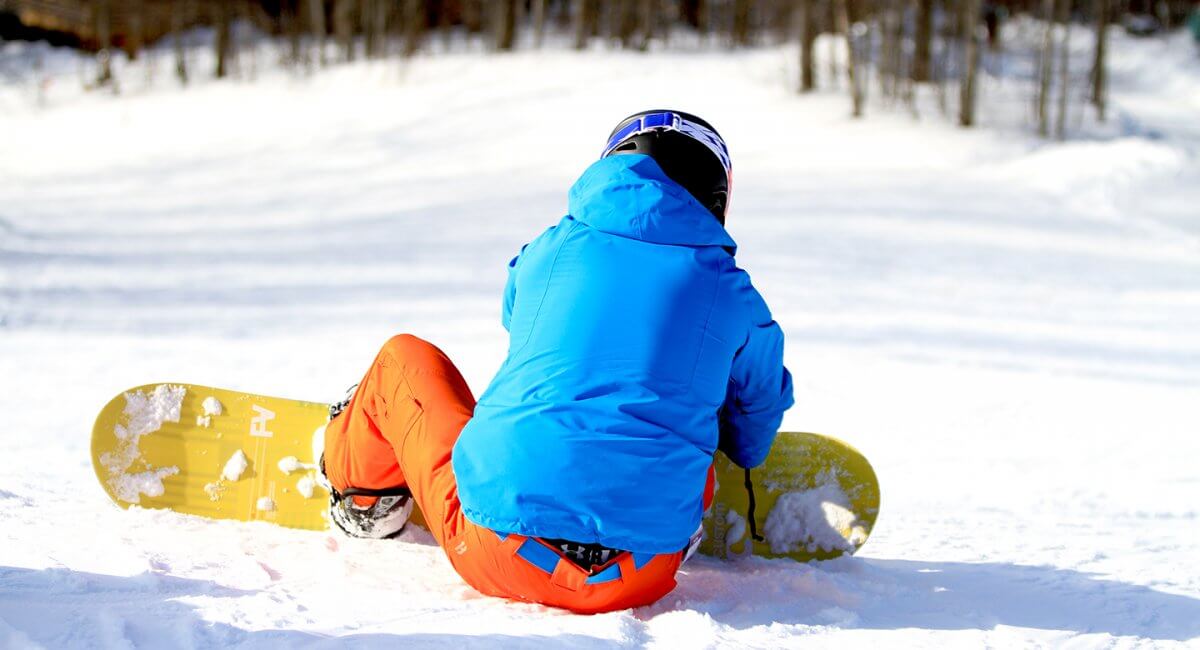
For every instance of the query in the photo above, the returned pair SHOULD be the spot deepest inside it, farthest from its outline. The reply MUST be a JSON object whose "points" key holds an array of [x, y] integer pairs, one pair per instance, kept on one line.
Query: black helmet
{"points": [[689, 150]]}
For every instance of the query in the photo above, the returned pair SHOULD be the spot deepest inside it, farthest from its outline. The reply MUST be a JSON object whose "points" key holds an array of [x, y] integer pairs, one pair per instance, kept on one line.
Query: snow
{"points": [[737, 528], [810, 519], [264, 503], [211, 406], [146, 413], [131, 487], [289, 464], [235, 466], [1009, 330], [305, 485], [143, 414], [318, 443], [214, 490]]}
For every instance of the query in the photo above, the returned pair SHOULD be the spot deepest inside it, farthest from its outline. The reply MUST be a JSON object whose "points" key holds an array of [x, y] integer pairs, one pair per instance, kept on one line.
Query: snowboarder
{"points": [[637, 348]]}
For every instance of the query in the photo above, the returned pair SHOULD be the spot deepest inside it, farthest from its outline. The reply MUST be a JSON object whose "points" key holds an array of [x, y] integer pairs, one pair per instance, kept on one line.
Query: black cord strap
{"points": [[750, 511], [399, 491]]}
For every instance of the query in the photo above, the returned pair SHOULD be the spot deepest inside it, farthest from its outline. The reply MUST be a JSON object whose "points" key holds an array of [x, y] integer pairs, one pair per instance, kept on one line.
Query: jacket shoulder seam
{"points": [[545, 289]]}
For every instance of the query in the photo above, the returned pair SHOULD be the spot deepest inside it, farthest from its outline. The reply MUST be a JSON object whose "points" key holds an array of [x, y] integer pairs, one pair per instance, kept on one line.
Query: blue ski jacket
{"points": [[637, 348]]}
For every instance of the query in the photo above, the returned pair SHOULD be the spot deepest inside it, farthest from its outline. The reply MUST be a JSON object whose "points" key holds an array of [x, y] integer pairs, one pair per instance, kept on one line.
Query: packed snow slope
{"points": [[1008, 328]]}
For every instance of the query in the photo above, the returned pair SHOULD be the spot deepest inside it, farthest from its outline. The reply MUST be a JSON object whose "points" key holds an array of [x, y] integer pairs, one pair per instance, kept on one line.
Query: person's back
{"points": [[630, 328]]}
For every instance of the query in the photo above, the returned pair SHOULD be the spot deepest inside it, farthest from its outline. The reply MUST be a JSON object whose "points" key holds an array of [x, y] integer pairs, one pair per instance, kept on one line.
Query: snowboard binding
{"points": [[383, 519], [336, 408]]}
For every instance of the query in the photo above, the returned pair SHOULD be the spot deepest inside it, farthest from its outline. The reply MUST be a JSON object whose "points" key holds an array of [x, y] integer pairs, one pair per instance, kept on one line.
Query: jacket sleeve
{"points": [[760, 390]]}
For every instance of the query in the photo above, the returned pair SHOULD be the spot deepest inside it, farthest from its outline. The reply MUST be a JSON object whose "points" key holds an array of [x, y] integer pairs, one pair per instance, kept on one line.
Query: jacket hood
{"points": [[629, 195]]}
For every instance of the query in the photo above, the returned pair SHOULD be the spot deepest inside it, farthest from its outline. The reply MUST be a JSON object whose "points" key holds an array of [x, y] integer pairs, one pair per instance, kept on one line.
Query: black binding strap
{"points": [[398, 491], [750, 511]]}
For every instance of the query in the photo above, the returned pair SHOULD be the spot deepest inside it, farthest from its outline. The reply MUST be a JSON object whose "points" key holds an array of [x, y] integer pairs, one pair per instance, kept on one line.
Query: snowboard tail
{"points": [[177, 446], [815, 498]]}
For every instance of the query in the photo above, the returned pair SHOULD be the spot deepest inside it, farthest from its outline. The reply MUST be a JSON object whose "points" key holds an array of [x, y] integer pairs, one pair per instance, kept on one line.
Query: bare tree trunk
{"points": [[381, 18], [343, 27], [472, 16], [290, 18], [366, 16], [970, 32], [923, 45], [623, 22], [832, 18], [102, 15], [782, 20], [808, 38], [647, 23], [1162, 11], [739, 27], [1100, 62], [444, 27], [245, 50], [137, 28], [504, 24], [585, 21], [579, 23], [1046, 75], [364, 9], [414, 26], [901, 54], [539, 22], [222, 22], [890, 31], [852, 71], [937, 67], [384, 12], [178, 22], [667, 13], [316, 23], [1064, 77]]}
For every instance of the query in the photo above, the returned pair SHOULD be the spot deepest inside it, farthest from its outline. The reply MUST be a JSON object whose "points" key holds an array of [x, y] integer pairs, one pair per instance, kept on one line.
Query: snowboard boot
{"points": [[384, 518]]}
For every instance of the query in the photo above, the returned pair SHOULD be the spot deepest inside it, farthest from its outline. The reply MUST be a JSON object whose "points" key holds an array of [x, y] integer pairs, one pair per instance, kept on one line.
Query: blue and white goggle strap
{"points": [[667, 121]]}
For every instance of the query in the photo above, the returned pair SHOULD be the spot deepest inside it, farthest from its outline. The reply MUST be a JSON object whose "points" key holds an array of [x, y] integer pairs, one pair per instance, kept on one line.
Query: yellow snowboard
{"points": [[225, 454], [211, 452], [816, 498]]}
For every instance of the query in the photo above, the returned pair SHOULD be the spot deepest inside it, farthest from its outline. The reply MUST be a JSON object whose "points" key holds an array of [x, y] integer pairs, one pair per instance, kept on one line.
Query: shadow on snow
{"points": [[899, 594], [62, 608], [65, 608]]}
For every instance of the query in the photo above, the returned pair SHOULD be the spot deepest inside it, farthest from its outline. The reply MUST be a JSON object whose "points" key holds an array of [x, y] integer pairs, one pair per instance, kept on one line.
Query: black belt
{"points": [[585, 556]]}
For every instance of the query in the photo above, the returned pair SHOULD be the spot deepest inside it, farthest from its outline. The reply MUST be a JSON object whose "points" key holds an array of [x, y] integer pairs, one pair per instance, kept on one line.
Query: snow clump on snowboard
{"points": [[812, 519], [144, 414]]}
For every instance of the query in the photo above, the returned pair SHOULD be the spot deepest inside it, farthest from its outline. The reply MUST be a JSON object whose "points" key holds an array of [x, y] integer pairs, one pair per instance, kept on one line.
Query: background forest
{"points": [[889, 47]]}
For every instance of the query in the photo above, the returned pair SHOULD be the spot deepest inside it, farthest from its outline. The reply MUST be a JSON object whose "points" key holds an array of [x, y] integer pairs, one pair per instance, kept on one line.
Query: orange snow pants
{"points": [[400, 428]]}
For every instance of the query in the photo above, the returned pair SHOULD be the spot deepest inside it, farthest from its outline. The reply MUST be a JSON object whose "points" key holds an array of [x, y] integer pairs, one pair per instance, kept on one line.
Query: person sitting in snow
{"points": [[637, 349]]}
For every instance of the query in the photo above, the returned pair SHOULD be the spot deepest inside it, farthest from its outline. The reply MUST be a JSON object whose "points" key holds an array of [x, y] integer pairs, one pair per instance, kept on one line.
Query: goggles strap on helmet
{"points": [[668, 121]]}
